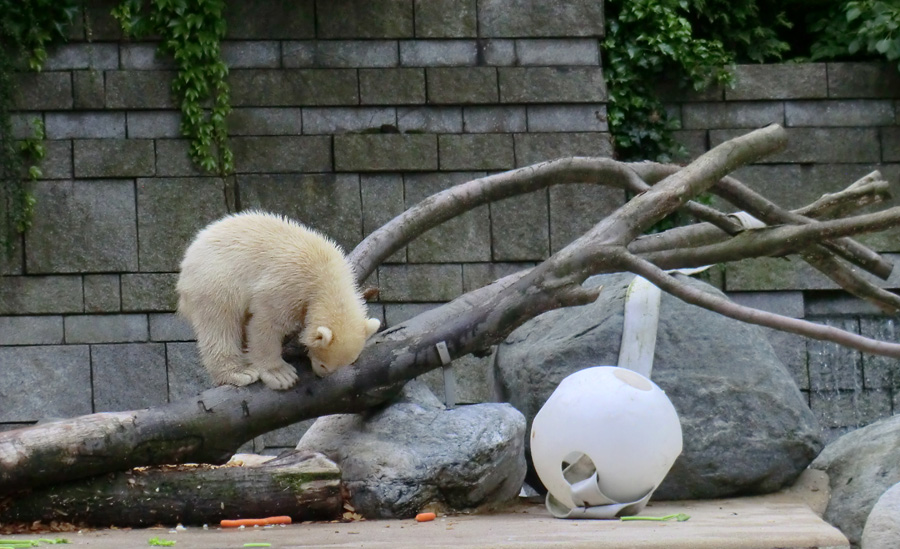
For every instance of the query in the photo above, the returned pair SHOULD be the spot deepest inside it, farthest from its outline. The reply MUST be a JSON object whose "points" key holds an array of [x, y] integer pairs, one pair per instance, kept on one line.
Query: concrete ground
{"points": [[786, 520]]}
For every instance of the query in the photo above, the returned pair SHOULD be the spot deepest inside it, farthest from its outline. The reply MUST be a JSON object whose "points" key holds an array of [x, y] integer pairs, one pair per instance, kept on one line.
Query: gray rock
{"points": [[102, 293], [861, 466], [445, 18], [532, 148], [139, 90], [487, 151], [41, 295], [274, 20], [470, 376], [746, 427], [284, 153], [882, 529], [414, 454], [573, 208], [461, 85], [43, 90], [552, 85]]}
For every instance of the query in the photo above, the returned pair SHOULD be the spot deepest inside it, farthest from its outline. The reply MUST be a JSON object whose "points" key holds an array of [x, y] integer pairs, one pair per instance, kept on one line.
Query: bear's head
{"points": [[332, 349]]}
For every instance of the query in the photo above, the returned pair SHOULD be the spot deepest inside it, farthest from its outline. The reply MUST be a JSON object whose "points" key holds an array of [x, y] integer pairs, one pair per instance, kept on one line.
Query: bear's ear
{"points": [[323, 336], [372, 326]]}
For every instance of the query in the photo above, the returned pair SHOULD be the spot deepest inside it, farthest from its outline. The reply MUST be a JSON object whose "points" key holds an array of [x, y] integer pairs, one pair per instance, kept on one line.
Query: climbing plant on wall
{"points": [[678, 43], [191, 32], [692, 43], [863, 28], [653, 43], [27, 28]]}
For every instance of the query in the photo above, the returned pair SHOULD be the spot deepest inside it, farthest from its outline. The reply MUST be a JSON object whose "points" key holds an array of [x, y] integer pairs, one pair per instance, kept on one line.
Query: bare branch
{"points": [[452, 202], [868, 190], [211, 426], [762, 208], [772, 241], [645, 209], [850, 281], [771, 213], [818, 256], [689, 294]]}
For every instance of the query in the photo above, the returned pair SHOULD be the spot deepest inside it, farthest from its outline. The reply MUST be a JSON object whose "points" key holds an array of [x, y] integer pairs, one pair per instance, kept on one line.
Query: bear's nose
{"points": [[319, 368]]}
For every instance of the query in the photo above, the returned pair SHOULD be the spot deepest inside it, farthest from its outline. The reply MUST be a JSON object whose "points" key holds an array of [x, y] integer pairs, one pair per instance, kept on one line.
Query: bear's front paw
{"points": [[239, 378], [281, 378]]}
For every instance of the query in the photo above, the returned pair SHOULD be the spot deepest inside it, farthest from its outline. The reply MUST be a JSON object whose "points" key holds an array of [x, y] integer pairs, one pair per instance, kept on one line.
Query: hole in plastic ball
{"points": [[577, 466]]}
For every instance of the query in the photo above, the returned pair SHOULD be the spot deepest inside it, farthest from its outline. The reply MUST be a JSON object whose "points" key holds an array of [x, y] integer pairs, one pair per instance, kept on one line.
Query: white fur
{"points": [[256, 277]]}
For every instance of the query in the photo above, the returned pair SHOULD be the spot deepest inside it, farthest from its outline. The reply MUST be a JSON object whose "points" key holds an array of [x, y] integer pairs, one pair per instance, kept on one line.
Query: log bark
{"points": [[301, 485], [210, 427]]}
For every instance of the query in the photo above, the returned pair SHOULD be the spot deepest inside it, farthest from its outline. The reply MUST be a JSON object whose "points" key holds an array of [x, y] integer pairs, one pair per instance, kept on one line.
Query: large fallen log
{"points": [[304, 486]]}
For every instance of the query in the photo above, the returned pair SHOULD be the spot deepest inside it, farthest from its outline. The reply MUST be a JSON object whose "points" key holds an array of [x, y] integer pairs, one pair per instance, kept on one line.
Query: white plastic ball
{"points": [[619, 419]]}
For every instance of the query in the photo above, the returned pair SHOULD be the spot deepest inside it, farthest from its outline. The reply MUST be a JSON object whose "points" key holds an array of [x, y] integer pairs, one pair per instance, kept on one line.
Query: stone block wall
{"points": [[842, 121], [346, 112]]}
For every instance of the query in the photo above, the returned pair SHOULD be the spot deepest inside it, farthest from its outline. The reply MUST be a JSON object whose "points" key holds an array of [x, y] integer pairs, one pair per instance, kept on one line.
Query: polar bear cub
{"points": [[253, 278]]}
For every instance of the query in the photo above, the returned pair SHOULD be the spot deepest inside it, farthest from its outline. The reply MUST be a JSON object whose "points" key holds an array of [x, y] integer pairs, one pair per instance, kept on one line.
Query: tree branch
{"points": [[774, 241], [767, 211], [445, 205], [868, 190], [856, 196], [649, 207], [668, 283], [821, 256], [211, 426]]}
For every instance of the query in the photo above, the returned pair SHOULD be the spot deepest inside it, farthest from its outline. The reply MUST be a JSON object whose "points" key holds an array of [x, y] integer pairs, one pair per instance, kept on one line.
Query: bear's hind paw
{"points": [[279, 379]]}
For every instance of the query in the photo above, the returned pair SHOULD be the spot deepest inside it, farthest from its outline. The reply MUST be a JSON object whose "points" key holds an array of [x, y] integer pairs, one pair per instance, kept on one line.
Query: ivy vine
{"points": [[654, 42], [27, 28], [31, 151], [859, 28], [649, 42], [191, 32]]}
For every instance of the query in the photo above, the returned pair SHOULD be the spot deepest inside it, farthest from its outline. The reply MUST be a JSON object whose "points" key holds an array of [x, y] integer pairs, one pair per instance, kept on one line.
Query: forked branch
{"points": [[211, 426]]}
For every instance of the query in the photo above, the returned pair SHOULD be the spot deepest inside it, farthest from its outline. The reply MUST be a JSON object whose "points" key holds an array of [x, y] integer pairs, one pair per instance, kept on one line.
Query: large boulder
{"points": [[746, 427], [415, 453], [861, 465], [882, 529]]}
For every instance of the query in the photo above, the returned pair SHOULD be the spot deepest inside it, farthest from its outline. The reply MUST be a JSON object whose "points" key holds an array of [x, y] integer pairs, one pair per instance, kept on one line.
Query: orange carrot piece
{"points": [[255, 522], [425, 517], [242, 522]]}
